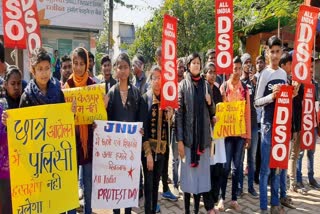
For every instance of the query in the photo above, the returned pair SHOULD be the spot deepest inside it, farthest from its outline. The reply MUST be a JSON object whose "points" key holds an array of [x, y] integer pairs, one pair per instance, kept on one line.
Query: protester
{"points": [[268, 87], [260, 65], [154, 144], [196, 108], [218, 157], [56, 65], [235, 90], [66, 69], [139, 77], [174, 145], [13, 89], [90, 69], [285, 64], [123, 99], [106, 69], [252, 151], [84, 133], [310, 153]]}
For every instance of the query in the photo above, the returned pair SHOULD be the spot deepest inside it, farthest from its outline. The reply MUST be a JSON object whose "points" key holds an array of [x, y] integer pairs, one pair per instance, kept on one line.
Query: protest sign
{"points": [[116, 164], [230, 119], [89, 101], [303, 44], [307, 135], [169, 83], [224, 36], [281, 128], [42, 156]]}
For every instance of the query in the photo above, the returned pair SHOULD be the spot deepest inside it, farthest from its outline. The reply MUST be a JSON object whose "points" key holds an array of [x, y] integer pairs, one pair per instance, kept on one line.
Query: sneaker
{"points": [[221, 206], [253, 193], [239, 193], [234, 205], [176, 192], [169, 196], [80, 191], [277, 210], [158, 208], [299, 185], [314, 184], [287, 202], [264, 211]]}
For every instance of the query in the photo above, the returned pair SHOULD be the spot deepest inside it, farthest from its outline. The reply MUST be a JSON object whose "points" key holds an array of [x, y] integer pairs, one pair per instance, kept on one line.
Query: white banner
{"points": [[116, 164], [84, 14]]}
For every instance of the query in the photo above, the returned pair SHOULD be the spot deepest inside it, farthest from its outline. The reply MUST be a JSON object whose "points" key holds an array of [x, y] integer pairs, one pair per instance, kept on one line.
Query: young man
{"points": [[91, 66], [310, 153], [285, 64], [139, 79], [268, 87], [66, 69], [251, 154], [260, 65]]}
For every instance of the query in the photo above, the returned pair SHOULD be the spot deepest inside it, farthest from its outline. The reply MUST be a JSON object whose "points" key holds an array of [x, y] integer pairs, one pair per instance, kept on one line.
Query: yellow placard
{"points": [[89, 101], [230, 119], [43, 159]]}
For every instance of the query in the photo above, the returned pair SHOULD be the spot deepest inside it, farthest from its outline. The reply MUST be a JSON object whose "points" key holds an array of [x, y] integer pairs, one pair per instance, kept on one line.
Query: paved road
{"points": [[305, 204]]}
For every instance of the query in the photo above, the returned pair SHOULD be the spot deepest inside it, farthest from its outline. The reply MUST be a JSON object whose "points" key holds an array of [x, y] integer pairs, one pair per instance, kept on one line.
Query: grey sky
{"points": [[138, 16]]}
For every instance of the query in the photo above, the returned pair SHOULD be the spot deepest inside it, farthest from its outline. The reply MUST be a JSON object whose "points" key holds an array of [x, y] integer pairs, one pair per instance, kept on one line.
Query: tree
{"points": [[196, 25]]}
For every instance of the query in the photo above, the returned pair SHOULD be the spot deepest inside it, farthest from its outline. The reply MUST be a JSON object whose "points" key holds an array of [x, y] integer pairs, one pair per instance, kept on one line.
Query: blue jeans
{"points": [[310, 155], [175, 159], [283, 183], [234, 149], [87, 187], [251, 160], [266, 132]]}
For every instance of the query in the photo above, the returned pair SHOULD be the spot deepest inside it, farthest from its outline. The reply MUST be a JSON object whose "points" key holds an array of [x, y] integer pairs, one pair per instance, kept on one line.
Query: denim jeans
{"points": [[234, 150], [266, 132], [310, 155], [87, 187], [251, 160], [175, 159], [151, 183], [283, 183]]}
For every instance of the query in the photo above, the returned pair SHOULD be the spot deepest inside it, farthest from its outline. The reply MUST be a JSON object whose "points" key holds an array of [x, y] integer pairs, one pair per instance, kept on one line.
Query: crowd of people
{"points": [[201, 165]]}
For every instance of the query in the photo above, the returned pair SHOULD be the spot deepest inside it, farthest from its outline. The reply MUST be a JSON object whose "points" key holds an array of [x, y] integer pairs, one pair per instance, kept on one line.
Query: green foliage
{"points": [[196, 25]]}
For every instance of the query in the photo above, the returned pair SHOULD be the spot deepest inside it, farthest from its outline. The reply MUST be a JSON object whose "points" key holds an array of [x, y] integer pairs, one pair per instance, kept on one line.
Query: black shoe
{"points": [[253, 193], [287, 202], [314, 184], [239, 193]]}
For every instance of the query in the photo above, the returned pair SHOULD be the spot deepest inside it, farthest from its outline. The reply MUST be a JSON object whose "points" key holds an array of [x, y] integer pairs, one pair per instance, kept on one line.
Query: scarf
{"points": [[52, 96], [197, 147], [81, 82]]}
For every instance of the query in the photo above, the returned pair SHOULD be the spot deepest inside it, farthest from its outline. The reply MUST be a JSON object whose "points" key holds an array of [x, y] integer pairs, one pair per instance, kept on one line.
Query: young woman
{"points": [[193, 117], [13, 89], [123, 98], [84, 133], [155, 140]]}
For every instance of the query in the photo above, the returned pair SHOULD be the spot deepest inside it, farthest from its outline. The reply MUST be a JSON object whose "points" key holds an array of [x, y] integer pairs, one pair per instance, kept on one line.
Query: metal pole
{"points": [[110, 26]]}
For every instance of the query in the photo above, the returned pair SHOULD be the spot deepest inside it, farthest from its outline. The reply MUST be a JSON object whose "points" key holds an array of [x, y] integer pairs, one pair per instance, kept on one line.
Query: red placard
{"points": [[307, 135], [303, 44], [13, 25], [224, 36], [169, 83], [281, 128], [32, 25]]}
